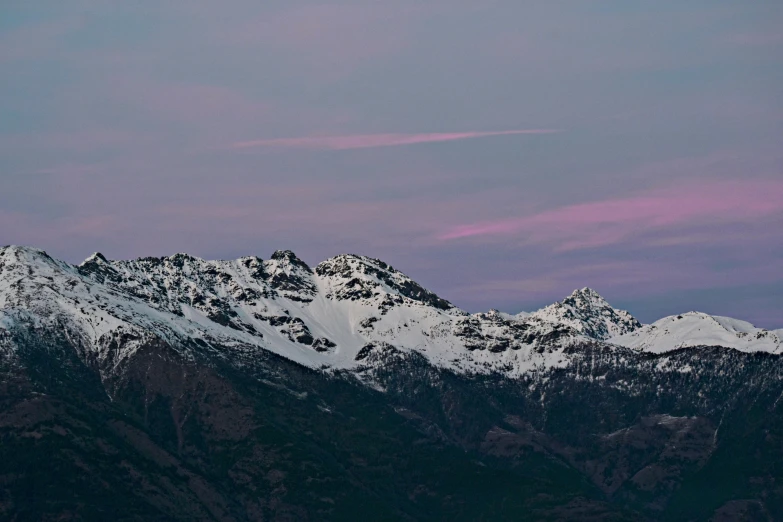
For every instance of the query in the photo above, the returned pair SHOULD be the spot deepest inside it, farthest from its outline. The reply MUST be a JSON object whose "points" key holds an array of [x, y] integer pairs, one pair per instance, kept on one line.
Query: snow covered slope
{"points": [[699, 329]]}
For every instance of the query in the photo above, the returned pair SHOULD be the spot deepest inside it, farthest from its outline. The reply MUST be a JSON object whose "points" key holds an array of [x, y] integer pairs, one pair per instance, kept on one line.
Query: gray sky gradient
{"points": [[501, 152]]}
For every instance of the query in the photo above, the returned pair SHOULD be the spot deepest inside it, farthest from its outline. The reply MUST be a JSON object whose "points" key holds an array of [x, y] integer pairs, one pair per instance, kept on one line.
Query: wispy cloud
{"points": [[366, 141], [611, 221]]}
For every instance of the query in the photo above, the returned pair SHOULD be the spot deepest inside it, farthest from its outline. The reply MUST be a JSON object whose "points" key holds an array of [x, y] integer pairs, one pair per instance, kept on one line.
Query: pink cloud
{"points": [[364, 141], [611, 221]]}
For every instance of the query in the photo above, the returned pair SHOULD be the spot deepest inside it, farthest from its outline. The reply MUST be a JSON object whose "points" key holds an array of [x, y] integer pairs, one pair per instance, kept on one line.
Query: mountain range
{"points": [[251, 389]]}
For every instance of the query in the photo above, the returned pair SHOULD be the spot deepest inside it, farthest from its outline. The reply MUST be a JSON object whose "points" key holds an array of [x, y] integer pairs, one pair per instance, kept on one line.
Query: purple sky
{"points": [[502, 153]]}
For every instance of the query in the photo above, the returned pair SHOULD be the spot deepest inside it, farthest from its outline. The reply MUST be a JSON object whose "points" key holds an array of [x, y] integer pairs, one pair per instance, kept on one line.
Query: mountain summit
{"points": [[588, 313]]}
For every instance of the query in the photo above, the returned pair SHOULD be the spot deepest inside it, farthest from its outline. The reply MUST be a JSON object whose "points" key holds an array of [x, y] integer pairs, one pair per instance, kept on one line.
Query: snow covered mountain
{"points": [[331, 316], [176, 388], [699, 329]]}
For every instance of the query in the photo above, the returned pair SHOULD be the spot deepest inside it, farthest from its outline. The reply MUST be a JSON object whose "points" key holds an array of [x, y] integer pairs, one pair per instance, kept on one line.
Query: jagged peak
{"points": [[346, 264], [357, 277], [162, 259], [250, 259], [585, 296], [184, 255], [97, 257], [284, 254], [587, 312], [290, 258], [585, 291]]}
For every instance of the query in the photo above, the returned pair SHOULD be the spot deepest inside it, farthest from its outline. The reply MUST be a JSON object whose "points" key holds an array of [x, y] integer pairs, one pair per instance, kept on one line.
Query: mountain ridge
{"points": [[252, 389], [326, 315]]}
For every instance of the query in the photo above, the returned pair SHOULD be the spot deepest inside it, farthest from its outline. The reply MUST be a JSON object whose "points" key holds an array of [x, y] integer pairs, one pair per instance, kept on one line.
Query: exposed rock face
{"points": [[178, 388]]}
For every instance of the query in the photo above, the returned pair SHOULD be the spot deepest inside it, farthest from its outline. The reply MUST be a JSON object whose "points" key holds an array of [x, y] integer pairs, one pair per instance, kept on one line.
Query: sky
{"points": [[502, 153]]}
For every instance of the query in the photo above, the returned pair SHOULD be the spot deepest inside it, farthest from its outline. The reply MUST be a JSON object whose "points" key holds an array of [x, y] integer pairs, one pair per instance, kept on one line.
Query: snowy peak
{"points": [[291, 276], [97, 266], [23, 268], [585, 297], [352, 277], [286, 262], [589, 314], [97, 257], [288, 257], [700, 329], [21, 255]]}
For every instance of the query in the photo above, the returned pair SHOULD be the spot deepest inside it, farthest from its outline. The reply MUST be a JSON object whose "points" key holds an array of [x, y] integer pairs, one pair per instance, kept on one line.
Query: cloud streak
{"points": [[367, 141], [611, 221]]}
